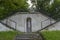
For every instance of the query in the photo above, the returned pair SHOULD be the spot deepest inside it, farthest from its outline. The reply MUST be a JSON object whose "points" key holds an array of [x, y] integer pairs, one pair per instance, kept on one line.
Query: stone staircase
{"points": [[33, 36], [28, 36]]}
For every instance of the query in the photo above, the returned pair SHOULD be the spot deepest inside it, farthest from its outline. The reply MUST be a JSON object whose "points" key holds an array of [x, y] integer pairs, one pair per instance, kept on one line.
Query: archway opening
{"points": [[28, 25]]}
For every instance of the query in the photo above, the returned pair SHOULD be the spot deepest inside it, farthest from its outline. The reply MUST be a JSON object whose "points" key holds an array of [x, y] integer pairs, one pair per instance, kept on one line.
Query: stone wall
{"points": [[37, 18]]}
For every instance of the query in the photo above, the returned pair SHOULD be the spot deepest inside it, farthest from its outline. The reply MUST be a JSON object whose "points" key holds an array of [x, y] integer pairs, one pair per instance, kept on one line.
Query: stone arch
{"points": [[29, 24]]}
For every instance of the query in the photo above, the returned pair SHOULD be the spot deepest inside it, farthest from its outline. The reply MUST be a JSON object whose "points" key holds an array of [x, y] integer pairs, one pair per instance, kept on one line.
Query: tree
{"points": [[52, 7], [7, 6]]}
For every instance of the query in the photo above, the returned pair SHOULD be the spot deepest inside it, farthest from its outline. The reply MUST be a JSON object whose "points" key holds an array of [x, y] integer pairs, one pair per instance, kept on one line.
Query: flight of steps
{"points": [[28, 36]]}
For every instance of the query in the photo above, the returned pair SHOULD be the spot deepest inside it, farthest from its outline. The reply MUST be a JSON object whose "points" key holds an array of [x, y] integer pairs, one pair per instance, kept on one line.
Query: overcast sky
{"points": [[29, 2]]}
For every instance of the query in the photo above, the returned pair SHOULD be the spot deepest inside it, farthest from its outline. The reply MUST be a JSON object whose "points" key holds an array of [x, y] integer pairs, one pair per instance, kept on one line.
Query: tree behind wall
{"points": [[52, 9], [7, 6]]}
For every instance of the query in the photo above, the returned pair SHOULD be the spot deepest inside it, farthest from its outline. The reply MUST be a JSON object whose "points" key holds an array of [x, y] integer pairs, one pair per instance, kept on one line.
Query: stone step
{"points": [[27, 37]]}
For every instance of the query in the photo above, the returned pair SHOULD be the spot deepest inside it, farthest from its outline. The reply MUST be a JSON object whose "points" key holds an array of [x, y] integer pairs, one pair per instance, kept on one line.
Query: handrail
{"points": [[44, 21], [12, 21], [8, 26], [47, 26]]}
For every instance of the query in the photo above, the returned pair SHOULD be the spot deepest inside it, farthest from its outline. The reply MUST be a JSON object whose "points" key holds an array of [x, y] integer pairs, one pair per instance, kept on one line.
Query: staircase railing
{"points": [[7, 22], [42, 28], [46, 22], [8, 26]]}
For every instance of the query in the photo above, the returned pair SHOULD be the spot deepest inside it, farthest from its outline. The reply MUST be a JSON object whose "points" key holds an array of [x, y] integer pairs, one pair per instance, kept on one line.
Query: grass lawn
{"points": [[51, 35], [8, 35], [48, 35]]}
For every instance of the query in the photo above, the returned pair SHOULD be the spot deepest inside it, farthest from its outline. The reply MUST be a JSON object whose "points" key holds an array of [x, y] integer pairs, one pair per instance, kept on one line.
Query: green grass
{"points": [[8, 35], [48, 35], [51, 35]]}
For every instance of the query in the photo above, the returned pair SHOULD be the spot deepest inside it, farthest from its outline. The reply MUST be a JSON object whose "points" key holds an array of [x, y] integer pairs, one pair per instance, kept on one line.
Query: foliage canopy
{"points": [[7, 6], [52, 7]]}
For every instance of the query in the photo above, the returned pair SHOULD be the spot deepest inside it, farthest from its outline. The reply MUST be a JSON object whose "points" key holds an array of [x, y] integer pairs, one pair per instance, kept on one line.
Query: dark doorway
{"points": [[29, 25]]}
